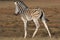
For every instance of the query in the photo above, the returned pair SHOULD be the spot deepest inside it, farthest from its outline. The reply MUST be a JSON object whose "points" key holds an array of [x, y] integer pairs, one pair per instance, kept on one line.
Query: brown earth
{"points": [[11, 26]]}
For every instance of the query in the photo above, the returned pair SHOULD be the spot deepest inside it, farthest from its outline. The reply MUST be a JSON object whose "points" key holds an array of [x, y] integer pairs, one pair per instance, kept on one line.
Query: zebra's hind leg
{"points": [[37, 26], [44, 22]]}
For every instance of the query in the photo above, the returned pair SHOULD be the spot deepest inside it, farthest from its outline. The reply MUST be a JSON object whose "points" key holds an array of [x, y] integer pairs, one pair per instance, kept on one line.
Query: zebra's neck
{"points": [[22, 5]]}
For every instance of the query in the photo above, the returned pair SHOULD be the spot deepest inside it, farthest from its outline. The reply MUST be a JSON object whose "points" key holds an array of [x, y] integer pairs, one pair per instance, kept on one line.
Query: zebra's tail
{"points": [[43, 16]]}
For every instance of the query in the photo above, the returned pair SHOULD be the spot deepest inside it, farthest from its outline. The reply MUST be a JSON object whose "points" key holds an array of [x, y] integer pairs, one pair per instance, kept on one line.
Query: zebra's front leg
{"points": [[37, 26], [25, 27]]}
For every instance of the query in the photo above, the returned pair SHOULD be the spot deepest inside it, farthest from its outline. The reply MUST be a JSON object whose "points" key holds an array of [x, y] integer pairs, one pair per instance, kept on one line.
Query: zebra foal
{"points": [[28, 14]]}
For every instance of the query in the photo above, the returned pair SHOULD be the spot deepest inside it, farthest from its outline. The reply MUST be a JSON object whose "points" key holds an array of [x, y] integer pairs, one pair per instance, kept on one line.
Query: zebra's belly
{"points": [[29, 18]]}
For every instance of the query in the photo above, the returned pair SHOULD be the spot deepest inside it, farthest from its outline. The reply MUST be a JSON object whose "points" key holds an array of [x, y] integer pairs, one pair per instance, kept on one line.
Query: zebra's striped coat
{"points": [[28, 14]]}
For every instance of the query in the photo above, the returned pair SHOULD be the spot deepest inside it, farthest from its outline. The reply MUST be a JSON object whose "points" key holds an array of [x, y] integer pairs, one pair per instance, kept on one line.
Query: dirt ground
{"points": [[11, 26]]}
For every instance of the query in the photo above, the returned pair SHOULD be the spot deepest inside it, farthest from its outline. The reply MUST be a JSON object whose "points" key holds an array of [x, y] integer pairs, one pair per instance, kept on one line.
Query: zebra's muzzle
{"points": [[16, 14]]}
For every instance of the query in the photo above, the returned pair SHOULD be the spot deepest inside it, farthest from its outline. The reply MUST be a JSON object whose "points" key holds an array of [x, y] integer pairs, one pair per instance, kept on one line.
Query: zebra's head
{"points": [[16, 8], [20, 7]]}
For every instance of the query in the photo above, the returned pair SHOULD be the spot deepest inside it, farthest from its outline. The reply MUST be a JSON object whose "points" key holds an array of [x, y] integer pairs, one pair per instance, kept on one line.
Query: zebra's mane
{"points": [[22, 4]]}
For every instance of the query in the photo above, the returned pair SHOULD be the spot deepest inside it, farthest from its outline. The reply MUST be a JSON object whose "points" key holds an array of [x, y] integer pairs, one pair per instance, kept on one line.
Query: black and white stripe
{"points": [[30, 14]]}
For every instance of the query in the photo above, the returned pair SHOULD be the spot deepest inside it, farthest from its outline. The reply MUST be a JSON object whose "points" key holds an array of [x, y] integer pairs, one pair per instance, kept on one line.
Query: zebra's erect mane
{"points": [[22, 4]]}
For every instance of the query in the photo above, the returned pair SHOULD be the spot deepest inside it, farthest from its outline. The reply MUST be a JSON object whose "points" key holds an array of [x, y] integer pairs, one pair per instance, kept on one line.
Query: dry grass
{"points": [[11, 26]]}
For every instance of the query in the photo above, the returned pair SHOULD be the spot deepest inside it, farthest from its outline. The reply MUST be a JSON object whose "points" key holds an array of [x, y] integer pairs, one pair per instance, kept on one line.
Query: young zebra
{"points": [[28, 14]]}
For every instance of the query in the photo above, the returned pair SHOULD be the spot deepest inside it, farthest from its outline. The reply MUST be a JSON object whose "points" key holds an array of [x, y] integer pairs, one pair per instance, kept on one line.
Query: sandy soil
{"points": [[11, 26]]}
